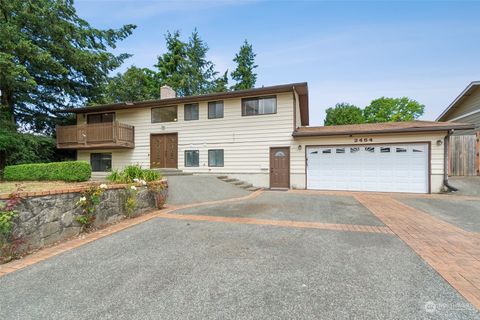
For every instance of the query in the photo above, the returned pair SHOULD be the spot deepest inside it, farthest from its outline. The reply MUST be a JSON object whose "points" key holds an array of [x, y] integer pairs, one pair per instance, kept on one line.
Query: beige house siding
{"points": [[436, 164], [470, 104], [473, 118], [246, 140]]}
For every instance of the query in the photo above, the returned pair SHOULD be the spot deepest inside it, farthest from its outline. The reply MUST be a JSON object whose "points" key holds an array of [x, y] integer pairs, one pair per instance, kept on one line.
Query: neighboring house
{"points": [[464, 144], [260, 136]]}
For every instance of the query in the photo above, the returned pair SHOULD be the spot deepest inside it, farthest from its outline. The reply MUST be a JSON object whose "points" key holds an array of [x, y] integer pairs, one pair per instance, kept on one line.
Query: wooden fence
{"points": [[464, 155]]}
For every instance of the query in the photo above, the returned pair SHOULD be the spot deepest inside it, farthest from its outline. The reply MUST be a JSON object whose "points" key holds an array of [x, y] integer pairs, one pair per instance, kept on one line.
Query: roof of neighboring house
{"points": [[458, 100], [386, 127], [301, 89]]}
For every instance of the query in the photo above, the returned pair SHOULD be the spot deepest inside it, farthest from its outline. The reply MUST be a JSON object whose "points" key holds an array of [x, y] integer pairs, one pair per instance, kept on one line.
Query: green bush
{"points": [[53, 171], [132, 172]]}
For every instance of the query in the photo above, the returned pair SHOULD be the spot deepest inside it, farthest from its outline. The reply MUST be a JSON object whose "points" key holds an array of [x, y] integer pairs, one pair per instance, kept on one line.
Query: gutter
{"points": [[445, 162]]}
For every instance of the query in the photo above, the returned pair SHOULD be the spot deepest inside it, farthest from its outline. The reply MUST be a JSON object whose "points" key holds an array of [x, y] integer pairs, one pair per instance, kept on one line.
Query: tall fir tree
{"points": [[51, 59], [172, 64], [221, 83], [200, 72], [244, 74]]}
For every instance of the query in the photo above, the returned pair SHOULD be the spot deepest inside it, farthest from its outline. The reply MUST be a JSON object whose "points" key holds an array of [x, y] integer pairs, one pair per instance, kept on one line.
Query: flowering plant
{"points": [[89, 201]]}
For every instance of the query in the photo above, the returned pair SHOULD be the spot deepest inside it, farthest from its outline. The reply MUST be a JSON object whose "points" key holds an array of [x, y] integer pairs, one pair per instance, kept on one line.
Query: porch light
{"points": [[439, 142], [299, 147]]}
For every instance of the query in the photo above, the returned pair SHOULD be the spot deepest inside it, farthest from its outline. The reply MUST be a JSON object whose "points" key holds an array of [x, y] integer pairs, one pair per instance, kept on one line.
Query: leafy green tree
{"points": [[50, 59], [244, 74], [136, 84], [393, 109], [343, 113]]}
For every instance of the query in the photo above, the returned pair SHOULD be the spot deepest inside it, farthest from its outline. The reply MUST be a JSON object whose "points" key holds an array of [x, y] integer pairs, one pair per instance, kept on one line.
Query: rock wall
{"points": [[43, 220]]}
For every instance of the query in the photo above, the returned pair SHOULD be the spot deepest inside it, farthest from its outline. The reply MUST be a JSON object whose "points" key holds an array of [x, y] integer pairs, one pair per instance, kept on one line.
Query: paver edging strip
{"points": [[278, 223]]}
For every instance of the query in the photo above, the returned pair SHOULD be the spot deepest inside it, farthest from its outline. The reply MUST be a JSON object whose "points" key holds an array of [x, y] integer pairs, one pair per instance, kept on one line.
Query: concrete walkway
{"points": [[200, 188]]}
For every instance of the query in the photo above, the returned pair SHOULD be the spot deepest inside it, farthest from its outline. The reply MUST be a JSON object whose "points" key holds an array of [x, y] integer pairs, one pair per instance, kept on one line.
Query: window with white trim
{"points": [[258, 106]]}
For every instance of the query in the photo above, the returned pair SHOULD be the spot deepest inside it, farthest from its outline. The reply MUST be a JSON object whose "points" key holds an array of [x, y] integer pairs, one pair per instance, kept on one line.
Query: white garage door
{"points": [[384, 168]]}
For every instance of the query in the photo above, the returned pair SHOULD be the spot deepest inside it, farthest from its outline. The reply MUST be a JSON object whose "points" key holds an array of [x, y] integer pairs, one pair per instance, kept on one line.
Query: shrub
{"points": [[64, 171], [133, 172]]}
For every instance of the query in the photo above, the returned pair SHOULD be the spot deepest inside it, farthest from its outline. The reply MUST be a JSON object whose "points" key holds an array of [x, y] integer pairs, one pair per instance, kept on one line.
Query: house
{"points": [[261, 136], [464, 151]]}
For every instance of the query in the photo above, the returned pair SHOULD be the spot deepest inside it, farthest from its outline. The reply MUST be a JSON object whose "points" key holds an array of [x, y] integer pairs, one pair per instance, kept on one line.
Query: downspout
{"points": [[445, 162]]}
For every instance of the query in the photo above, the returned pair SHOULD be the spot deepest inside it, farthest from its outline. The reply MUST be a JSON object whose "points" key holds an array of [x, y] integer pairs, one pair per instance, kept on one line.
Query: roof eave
{"points": [[408, 130], [206, 97]]}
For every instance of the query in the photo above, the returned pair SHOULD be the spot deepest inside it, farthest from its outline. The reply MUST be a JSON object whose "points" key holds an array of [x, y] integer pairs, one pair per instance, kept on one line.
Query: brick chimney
{"points": [[167, 92]]}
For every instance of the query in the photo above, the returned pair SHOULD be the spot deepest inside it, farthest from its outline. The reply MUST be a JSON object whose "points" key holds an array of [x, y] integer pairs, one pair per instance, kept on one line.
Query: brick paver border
{"points": [[279, 223], [453, 252]]}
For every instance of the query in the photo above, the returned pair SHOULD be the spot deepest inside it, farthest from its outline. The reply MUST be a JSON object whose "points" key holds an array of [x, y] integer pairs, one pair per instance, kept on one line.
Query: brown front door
{"points": [[280, 167], [163, 150]]}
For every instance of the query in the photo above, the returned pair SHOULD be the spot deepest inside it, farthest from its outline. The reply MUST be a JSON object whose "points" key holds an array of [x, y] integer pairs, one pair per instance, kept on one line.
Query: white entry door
{"points": [[382, 168]]}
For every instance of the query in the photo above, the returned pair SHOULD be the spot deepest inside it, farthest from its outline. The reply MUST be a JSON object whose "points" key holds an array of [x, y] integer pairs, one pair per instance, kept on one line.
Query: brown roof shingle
{"points": [[386, 127]]}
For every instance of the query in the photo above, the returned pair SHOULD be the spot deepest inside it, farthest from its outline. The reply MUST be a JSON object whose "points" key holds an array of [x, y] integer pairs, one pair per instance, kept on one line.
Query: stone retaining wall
{"points": [[45, 218]]}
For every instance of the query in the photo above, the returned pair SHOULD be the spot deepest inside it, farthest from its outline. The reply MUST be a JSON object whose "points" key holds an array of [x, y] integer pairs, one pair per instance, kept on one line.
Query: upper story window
{"points": [[261, 105], [164, 114], [215, 109], [100, 117], [191, 111]]}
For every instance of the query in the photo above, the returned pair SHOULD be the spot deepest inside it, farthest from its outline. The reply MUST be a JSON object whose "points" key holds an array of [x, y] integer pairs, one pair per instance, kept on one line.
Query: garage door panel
{"points": [[390, 168]]}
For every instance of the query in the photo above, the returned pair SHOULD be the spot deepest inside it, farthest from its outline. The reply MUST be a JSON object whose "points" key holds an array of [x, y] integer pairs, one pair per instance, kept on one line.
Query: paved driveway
{"points": [[168, 268]]}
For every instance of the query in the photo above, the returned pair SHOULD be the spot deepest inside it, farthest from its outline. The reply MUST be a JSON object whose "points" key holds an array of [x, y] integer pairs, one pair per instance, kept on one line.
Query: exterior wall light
{"points": [[439, 142], [299, 147]]}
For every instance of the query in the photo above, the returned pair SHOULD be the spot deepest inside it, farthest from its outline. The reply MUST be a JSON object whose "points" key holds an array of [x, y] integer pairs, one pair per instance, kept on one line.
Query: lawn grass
{"points": [[9, 186]]}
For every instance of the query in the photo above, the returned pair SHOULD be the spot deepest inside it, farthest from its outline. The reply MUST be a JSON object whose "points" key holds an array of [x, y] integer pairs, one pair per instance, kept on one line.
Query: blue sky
{"points": [[351, 51]]}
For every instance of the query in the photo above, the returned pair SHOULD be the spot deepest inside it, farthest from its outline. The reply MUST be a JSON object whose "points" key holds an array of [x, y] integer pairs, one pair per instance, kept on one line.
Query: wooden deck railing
{"points": [[98, 135]]}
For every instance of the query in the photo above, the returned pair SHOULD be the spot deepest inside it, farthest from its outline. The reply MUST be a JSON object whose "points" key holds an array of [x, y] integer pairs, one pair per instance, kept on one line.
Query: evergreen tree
{"points": [[243, 75], [172, 65], [50, 59], [221, 83], [200, 72]]}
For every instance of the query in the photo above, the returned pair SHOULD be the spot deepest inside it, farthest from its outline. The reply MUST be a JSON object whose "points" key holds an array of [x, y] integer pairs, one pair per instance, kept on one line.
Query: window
{"points": [[192, 158], [384, 149], [215, 109], [256, 106], [354, 149], [327, 151], [191, 111], [417, 150], [279, 154], [340, 150], [215, 158], [101, 161], [370, 149], [401, 149], [100, 117], [164, 114]]}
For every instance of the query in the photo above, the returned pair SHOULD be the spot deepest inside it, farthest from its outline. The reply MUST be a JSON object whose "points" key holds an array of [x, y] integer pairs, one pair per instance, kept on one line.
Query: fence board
{"points": [[463, 155]]}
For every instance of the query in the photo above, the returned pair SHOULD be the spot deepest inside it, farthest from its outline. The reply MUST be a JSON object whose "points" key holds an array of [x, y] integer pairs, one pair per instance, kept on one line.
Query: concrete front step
{"points": [[238, 183], [166, 172]]}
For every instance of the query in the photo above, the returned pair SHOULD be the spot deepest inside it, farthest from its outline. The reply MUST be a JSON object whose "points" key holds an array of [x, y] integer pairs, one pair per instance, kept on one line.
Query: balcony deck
{"points": [[107, 135]]}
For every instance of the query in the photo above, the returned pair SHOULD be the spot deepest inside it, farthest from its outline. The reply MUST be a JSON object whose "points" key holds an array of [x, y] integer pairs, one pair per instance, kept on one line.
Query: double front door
{"points": [[164, 150]]}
